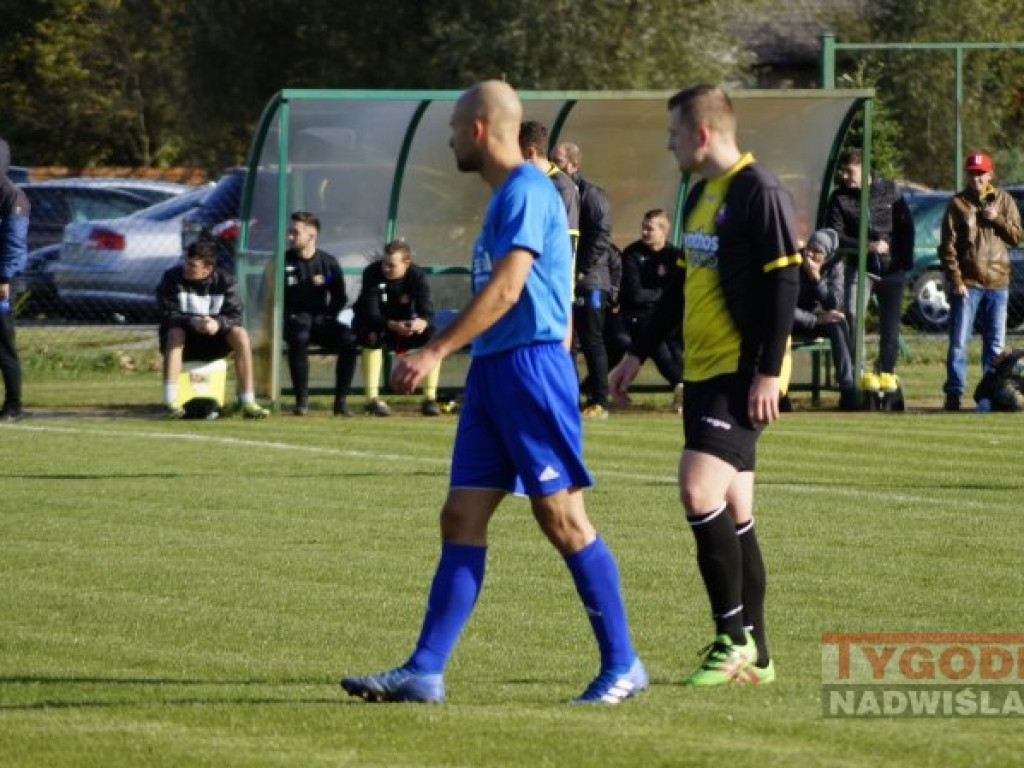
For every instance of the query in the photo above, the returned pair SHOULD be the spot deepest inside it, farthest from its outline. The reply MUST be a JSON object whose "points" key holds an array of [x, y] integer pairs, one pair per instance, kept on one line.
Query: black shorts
{"points": [[716, 421], [199, 346]]}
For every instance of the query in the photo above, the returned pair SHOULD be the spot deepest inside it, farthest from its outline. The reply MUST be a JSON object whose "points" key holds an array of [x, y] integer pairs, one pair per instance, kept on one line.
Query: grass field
{"points": [[188, 594]]}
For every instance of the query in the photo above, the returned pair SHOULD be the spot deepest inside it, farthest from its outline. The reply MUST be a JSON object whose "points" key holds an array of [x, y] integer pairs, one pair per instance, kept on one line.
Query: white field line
{"points": [[860, 492]]}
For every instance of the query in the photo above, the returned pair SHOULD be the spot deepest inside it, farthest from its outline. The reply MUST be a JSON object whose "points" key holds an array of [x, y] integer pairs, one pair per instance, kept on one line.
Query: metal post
{"points": [[958, 101], [828, 60]]}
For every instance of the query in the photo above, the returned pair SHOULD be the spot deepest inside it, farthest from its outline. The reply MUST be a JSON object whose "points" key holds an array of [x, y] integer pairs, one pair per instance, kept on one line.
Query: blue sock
{"points": [[453, 593], [597, 582]]}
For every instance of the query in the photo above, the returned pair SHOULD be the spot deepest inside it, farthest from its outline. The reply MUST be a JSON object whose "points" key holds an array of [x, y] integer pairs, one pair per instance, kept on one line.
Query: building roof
{"points": [[788, 32]]}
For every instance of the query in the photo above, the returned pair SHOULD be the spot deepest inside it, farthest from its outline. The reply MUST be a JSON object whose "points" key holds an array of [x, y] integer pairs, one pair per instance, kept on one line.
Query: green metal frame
{"points": [[277, 112], [829, 47]]}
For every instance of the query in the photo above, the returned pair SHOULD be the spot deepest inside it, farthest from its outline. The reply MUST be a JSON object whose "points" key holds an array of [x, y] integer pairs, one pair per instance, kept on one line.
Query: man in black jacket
{"points": [[314, 295], [201, 319], [394, 311], [647, 264], [890, 255], [593, 279]]}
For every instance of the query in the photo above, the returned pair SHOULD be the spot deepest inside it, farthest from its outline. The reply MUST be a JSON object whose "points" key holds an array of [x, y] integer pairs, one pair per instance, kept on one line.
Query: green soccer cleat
{"points": [[754, 675], [724, 662], [254, 411]]}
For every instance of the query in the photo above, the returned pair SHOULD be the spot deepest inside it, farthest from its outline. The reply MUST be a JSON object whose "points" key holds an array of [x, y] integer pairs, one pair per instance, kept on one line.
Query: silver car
{"points": [[109, 270]]}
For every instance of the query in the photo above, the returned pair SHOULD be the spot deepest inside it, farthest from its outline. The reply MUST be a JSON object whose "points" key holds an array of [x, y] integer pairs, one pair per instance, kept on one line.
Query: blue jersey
{"points": [[526, 212]]}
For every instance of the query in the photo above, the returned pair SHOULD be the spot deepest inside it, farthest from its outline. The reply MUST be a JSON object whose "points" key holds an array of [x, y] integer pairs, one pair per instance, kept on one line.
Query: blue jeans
{"points": [[989, 306]]}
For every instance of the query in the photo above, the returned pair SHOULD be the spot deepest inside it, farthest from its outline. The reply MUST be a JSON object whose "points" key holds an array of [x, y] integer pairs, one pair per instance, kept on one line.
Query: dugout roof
{"points": [[374, 165]]}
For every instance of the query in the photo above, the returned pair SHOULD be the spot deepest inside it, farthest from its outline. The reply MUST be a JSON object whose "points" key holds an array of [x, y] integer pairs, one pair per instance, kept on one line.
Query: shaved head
{"points": [[485, 127]]}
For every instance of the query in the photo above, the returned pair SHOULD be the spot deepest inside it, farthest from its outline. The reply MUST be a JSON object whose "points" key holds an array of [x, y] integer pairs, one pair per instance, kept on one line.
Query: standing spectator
{"points": [[890, 255], [980, 222], [819, 307], [520, 429], [314, 295], [14, 215], [394, 311], [533, 143], [201, 319], [739, 282], [647, 264], [593, 279]]}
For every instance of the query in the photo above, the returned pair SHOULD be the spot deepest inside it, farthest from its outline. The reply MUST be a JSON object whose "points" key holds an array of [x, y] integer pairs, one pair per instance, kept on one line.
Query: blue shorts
{"points": [[519, 428]]}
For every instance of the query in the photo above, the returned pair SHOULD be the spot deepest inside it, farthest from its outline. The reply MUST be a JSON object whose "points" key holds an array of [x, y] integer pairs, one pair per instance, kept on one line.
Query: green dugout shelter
{"points": [[375, 165]]}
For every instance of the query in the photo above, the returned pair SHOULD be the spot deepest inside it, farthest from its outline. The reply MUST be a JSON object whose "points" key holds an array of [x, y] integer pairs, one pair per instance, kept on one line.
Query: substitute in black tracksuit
{"points": [[394, 311], [593, 278], [314, 295], [647, 265], [14, 216]]}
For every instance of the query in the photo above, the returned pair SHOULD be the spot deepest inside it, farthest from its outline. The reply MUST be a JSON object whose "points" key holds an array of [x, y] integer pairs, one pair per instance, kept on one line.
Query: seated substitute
{"points": [[201, 319], [394, 311], [314, 295], [647, 264], [819, 307]]}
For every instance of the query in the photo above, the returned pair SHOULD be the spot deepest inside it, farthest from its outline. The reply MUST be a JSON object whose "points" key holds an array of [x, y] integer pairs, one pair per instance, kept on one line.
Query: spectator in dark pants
{"points": [[14, 215], [890, 255], [647, 264], [314, 295], [593, 279], [819, 307], [394, 311]]}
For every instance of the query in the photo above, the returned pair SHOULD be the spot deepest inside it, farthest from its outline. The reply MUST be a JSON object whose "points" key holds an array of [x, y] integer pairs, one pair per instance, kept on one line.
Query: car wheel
{"points": [[929, 306]]}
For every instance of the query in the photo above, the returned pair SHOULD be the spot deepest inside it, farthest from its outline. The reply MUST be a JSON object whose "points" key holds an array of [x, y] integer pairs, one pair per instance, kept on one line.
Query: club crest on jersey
{"points": [[720, 216]]}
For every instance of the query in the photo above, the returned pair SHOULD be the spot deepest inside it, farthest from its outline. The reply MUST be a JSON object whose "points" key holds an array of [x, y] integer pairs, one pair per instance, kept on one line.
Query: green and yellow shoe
{"points": [[754, 675], [724, 662]]}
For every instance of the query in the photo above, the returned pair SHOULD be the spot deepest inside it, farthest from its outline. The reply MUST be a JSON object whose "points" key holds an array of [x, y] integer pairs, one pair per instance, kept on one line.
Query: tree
{"points": [[90, 84], [918, 86], [141, 82]]}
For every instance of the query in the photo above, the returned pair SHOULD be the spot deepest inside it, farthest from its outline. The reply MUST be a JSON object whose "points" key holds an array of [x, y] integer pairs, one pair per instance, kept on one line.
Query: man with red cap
{"points": [[980, 222]]}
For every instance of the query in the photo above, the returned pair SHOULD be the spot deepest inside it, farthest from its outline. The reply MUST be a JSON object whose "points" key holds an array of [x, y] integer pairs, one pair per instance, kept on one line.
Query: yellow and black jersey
{"points": [[740, 279], [736, 288]]}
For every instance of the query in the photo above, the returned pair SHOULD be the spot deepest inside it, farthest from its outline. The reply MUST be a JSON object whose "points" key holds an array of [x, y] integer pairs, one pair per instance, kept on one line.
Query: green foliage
{"points": [[886, 132], [918, 85], [160, 82], [188, 594]]}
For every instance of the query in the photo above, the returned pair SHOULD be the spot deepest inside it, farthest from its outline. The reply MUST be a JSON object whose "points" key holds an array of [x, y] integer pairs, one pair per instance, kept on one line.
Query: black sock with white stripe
{"points": [[755, 583], [720, 563]]}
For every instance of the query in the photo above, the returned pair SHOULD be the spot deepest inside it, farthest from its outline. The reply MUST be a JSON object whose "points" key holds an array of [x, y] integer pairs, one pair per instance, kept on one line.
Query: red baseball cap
{"points": [[979, 161]]}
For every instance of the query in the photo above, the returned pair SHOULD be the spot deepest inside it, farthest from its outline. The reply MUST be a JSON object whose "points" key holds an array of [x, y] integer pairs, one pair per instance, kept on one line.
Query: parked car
{"points": [[111, 268], [929, 304], [35, 295], [18, 174], [55, 205], [154, 190]]}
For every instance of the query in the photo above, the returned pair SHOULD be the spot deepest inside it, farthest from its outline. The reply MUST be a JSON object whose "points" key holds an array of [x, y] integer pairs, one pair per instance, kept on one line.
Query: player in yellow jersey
{"points": [[734, 296]]}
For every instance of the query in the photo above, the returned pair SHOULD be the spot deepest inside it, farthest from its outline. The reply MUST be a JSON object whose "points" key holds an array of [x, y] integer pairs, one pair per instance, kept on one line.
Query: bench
{"points": [[442, 319], [820, 351]]}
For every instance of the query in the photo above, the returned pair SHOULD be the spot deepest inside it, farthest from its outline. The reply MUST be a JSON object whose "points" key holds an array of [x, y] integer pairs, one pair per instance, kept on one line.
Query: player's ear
{"points": [[703, 136]]}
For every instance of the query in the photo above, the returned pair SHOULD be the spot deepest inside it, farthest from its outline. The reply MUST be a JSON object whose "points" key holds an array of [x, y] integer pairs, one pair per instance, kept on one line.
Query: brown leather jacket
{"points": [[972, 248]]}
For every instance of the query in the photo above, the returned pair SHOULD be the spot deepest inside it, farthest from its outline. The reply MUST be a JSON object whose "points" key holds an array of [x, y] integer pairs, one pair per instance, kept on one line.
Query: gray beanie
{"points": [[826, 239]]}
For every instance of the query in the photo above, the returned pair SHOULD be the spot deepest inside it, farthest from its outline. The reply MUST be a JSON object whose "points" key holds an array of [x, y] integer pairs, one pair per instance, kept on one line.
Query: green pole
{"points": [[958, 101], [859, 367], [277, 316], [828, 60]]}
